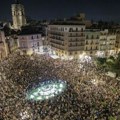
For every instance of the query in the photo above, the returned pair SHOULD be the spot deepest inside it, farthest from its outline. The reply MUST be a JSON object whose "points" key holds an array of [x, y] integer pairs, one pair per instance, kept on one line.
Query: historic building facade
{"points": [[92, 41], [107, 43], [18, 15], [30, 43], [67, 40], [71, 41]]}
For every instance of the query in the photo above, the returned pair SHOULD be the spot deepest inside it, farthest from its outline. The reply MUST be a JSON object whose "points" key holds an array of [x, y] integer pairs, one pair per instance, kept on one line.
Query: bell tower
{"points": [[18, 15]]}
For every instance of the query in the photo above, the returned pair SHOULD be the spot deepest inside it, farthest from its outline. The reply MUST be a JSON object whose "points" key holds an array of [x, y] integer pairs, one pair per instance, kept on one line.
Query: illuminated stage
{"points": [[46, 90]]}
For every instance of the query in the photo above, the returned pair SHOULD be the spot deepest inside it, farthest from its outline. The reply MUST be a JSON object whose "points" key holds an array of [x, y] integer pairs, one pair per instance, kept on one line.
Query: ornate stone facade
{"points": [[18, 15]]}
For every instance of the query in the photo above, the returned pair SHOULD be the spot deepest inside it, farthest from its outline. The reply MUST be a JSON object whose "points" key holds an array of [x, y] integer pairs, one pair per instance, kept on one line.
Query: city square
{"points": [[88, 93], [58, 62]]}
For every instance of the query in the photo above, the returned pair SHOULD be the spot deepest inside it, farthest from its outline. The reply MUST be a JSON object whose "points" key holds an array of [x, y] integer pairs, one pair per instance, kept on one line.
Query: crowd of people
{"points": [[90, 94]]}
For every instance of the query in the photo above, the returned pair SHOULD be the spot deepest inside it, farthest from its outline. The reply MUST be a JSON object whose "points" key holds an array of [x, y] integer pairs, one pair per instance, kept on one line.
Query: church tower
{"points": [[18, 15]]}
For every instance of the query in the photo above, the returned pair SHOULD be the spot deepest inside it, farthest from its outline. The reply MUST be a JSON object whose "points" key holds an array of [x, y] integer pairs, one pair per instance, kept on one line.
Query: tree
{"points": [[116, 66]]}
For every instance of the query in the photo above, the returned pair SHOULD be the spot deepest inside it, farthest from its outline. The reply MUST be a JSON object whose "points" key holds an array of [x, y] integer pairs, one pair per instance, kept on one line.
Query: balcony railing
{"points": [[76, 30], [56, 38], [57, 34], [57, 47], [58, 43], [81, 36]]}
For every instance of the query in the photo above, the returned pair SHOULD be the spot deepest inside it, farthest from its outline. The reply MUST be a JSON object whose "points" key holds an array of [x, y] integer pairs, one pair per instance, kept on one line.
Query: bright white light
{"points": [[100, 54], [24, 115], [46, 90], [95, 82], [35, 93], [39, 98], [31, 96], [61, 85], [60, 90], [85, 58], [47, 97], [54, 56]]}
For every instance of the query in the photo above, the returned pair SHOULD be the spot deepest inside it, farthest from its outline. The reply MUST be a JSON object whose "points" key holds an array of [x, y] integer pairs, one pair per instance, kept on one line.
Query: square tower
{"points": [[18, 15]]}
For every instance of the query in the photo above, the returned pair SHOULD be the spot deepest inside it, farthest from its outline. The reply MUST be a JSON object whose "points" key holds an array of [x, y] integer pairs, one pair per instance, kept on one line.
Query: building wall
{"points": [[3, 46], [118, 41], [30, 43], [107, 43], [67, 40], [92, 42], [70, 40]]}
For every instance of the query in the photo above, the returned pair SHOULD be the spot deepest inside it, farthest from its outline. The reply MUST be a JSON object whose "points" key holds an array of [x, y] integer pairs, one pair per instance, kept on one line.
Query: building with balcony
{"points": [[30, 43], [107, 43], [66, 40], [92, 41]]}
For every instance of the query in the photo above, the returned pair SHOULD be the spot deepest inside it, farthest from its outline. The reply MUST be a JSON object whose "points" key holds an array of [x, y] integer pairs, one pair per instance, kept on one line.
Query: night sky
{"points": [[50, 9]]}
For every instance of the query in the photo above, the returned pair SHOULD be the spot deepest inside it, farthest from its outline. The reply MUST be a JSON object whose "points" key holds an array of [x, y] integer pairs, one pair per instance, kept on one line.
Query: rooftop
{"points": [[67, 22], [28, 30]]}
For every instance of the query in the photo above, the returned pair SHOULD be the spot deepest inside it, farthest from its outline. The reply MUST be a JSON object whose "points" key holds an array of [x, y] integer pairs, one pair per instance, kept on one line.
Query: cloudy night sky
{"points": [[50, 9]]}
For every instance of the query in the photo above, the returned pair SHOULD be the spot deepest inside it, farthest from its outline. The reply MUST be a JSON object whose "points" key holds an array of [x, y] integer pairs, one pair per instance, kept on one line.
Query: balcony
{"points": [[77, 36], [71, 30], [58, 43], [77, 41], [57, 38], [57, 47], [57, 34], [76, 49]]}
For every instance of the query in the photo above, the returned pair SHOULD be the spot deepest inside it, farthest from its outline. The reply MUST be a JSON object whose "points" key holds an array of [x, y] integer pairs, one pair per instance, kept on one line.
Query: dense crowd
{"points": [[90, 94]]}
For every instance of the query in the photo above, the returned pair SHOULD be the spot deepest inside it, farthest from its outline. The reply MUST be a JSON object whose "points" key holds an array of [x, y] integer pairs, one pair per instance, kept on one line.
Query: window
{"points": [[70, 53], [97, 36], [37, 37], [32, 37], [91, 42], [23, 44], [76, 29], [96, 48], [86, 42], [70, 30], [70, 44], [81, 29], [82, 34], [22, 13], [87, 37], [38, 44], [92, 37]]}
